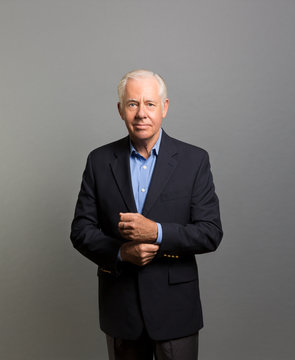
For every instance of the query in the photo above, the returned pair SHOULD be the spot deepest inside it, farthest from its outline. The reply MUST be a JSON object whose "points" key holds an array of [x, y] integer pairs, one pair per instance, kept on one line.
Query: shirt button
{"points": [[142, 190], [144, 166]]}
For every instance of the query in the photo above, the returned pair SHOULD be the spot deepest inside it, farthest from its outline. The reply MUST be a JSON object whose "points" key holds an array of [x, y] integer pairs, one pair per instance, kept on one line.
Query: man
{"points": [[146, 206]]}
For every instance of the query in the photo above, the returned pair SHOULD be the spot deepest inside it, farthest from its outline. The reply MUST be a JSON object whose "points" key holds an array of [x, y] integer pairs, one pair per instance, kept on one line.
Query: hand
{"points": [[134, 226], [138, 253]]}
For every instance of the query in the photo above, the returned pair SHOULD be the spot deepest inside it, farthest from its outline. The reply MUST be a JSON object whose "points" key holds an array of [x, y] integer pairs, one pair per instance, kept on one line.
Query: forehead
{"points": [[142, 87]]}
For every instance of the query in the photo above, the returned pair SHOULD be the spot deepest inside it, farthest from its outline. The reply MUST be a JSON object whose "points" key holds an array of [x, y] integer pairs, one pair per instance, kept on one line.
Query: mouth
{"points": [[140, 126]]}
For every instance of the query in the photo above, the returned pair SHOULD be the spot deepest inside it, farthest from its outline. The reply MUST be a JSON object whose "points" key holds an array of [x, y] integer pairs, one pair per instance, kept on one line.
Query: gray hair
{"points": [[137, 74]]}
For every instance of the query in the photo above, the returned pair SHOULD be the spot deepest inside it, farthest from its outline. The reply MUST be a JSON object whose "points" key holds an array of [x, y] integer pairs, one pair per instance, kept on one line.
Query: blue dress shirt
{"points": [[141, 170]]}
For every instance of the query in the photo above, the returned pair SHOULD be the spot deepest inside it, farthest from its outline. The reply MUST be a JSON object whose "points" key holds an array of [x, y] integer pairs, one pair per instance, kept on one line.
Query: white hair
{"points": [[137, 74]]}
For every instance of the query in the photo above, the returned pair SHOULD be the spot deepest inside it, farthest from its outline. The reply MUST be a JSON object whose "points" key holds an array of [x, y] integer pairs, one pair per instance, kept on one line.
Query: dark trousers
{"points": [[144, 348]]}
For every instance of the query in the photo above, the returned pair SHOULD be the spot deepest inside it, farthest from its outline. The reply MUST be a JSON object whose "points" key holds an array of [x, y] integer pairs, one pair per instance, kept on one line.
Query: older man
{"points": [[147, 205]]}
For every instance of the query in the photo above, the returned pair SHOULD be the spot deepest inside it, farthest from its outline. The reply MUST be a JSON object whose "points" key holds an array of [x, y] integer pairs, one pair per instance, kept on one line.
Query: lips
{"points": [[141, 126]]}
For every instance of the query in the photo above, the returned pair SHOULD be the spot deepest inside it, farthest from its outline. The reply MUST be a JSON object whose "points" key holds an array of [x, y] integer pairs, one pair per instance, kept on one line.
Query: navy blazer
{"points": [[162, 296]]}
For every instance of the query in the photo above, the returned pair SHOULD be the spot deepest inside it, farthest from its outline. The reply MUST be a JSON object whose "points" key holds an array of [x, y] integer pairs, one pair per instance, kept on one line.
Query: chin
{"points": [[142, 134]]}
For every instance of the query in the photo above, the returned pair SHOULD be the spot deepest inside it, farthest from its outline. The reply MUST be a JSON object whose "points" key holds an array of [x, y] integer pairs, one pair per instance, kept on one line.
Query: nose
{"points": [[141, 112]]}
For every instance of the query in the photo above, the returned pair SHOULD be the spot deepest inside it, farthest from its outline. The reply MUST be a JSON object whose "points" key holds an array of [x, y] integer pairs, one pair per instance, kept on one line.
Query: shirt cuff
{"points": [[158, 241], [160, 232]]}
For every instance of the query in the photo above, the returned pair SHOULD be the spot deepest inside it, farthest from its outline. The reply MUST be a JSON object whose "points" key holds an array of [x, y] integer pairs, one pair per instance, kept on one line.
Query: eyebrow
{"points": [[134, 100], [131, 100]]}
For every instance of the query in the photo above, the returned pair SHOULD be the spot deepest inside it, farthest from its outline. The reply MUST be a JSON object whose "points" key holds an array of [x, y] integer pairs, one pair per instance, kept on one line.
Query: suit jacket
{"points": [[162, 296]]}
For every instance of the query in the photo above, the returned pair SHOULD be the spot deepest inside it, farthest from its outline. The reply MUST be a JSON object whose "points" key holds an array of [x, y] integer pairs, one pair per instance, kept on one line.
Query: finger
{"points": [[122, 225], [146, 258], [127, 216], [149, 253], [146, 261], [143, 263], [126, 232], [150, 248], [125, 226], [150, 257]]}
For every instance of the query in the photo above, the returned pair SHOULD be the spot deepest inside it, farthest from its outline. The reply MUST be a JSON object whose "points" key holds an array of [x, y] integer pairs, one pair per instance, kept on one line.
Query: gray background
{"points": [[230, 70]]}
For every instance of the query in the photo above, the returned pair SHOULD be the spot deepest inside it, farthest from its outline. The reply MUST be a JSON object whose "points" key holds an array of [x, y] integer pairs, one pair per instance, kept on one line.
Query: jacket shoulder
{"points": [[186, 148], [109, 149]]}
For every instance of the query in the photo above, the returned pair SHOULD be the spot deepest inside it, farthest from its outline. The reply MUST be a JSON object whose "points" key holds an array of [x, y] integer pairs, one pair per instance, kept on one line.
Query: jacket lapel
{"points": [[121, 170], [165, 165]]}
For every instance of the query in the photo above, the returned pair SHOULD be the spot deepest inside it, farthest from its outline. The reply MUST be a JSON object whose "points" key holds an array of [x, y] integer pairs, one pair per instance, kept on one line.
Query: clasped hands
{"points": [[142, 233]]}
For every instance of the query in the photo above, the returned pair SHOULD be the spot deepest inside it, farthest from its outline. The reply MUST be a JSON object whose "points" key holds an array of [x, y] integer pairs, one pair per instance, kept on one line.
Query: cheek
{"points": [[157, 119], [128, 117], [127, 123]]}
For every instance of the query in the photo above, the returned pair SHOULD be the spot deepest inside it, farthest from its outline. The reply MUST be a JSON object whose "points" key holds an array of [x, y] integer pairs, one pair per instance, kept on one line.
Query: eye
{"points": [[132, 105], [151, 104]]}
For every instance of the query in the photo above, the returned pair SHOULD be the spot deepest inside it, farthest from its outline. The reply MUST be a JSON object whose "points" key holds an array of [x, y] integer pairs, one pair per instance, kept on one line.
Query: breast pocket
{"points": [[173, 195]]}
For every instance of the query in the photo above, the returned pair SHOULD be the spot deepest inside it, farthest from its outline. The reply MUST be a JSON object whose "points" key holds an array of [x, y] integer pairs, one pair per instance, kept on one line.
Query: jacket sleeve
{"points": [[86, 234], [203, 232]]}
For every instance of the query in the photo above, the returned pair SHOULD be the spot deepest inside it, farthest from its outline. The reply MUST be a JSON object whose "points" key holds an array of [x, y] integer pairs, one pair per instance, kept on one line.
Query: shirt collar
{"points": [[155, 149]]}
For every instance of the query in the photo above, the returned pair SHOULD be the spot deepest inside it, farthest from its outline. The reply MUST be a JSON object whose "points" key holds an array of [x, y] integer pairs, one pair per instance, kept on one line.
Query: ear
{"points": [[165, 108], [120, 110]]}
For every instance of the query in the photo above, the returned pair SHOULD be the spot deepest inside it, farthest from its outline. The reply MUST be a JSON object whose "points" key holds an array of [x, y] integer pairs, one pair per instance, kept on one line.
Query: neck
{"points": [[144, 147]]}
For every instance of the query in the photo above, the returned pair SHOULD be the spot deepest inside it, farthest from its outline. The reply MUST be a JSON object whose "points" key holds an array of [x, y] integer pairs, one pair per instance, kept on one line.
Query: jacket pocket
{"points": [[182, 272], [102, 271]]}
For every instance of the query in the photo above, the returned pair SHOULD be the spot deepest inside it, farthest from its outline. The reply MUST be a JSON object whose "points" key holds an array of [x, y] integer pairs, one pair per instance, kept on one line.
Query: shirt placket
{"points": [[143, 182]]}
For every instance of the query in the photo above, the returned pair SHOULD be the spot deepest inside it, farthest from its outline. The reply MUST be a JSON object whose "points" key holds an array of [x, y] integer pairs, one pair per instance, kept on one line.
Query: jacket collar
{"points": [[164, 167]]}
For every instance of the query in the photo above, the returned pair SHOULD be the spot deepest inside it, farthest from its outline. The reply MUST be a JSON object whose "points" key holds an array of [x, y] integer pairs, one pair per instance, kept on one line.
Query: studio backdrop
{"points": [[230, 71]]}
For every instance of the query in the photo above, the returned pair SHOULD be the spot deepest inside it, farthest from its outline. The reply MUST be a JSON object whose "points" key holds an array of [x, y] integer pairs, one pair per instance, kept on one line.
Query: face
{"points": [[142, 110]]}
